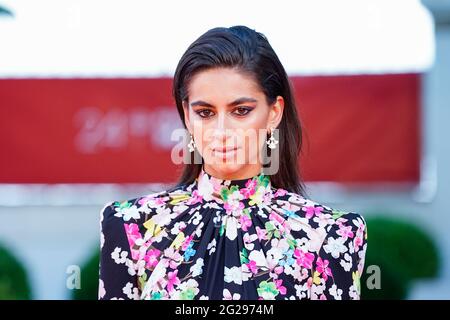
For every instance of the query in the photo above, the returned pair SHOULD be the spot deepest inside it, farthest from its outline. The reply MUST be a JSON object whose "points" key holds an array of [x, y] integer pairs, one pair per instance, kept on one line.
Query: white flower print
{"points": [[102, 239], [180, 208], [189, 284], [248, 240], [178, 227], [199, 230], [274, 255], [101, 289], [346, 263], [301, 290], [316, 237], [131, 292], [317, 289], [137, 268], [230, 227], [354, 293], [119, 256], [335, 246], [335, 292], [323, 220], [233, 274], [128, 213], [195, 219], [228, 296], [205, 188], [212, 205], [211, 246], [197, 268], [259, 257], [162, 216]]}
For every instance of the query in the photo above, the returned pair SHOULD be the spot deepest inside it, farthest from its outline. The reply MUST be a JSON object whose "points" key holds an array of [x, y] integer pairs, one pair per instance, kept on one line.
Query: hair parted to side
{"points": [[249, 52]]}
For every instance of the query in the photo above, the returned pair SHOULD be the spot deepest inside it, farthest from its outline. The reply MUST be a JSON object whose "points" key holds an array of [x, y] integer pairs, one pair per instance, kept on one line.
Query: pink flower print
{"points": [[262, 233], [172, 280], [232, 206], [251, 184], [322, 268], [144, 200], [195, 198], [280, 287], [322, 297], [132, 232], [173, 258], [345, 232], [357, 242], [252, 266], [246, 222], [304, 259], [187, 242], [250, 188], [290, 207], [152, 201], [278, 270], [280, 192], [309, 283], [151, 258], [267, 197], [311, 211], [276, 217]]}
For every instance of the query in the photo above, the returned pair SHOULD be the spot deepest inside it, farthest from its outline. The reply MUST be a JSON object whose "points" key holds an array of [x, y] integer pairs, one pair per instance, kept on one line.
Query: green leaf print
{"points": [[265, 286], [337, 214], [244, 256], [122, 205], [188, 294], [292, 243]]}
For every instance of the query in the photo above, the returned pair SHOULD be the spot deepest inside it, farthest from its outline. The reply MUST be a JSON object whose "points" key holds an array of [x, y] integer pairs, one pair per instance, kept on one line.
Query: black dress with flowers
{"points": [[229, 239]]}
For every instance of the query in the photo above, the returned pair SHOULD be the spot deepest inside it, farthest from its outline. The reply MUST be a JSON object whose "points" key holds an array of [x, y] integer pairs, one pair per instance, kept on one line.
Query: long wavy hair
{"points": [[249, 52]]}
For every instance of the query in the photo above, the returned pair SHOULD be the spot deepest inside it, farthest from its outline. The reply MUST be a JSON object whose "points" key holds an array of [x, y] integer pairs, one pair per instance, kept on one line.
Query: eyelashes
{"points": [[239, 112]]}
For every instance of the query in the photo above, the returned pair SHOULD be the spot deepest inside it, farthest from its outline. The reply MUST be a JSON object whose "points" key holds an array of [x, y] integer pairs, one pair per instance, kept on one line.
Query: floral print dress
{"points": [[229, 240]]}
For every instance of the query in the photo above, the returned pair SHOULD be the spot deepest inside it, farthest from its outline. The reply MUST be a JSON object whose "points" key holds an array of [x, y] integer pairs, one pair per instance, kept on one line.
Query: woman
{"points": [[238, 225]]}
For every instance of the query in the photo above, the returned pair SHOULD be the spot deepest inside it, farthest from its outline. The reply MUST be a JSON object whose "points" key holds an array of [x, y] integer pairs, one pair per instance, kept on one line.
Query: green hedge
{"points": [[89, 278], [403, 251], [14, 282]]}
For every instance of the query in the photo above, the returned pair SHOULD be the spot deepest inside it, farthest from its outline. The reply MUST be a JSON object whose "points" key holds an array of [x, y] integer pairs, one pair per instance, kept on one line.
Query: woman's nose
{"points": [[222, 128]]}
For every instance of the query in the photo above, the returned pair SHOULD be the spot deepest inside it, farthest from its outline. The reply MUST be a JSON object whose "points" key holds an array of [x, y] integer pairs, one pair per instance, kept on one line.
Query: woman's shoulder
{"points": [[137, 209], [320, 221], [308, 208]]}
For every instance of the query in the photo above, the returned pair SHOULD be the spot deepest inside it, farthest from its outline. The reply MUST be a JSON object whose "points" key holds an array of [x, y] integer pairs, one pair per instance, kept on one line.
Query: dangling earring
{"points": [[191, 144], [272, 142]]}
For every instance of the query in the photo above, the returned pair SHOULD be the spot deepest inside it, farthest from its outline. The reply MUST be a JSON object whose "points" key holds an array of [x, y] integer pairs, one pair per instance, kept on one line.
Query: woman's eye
{"points": [[242, 111], [205, 113]]}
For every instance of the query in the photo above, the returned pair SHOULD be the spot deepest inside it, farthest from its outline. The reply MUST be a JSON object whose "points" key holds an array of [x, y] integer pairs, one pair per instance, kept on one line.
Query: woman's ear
{"points": [[186, 116], [276, 113]]}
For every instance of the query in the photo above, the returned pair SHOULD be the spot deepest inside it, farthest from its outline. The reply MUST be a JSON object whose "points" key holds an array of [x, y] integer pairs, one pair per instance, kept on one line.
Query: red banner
{"points": [[362, 128]]}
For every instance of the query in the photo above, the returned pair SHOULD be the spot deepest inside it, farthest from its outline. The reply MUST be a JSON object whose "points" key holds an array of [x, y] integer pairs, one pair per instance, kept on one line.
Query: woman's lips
{"points": [[225, 151]]}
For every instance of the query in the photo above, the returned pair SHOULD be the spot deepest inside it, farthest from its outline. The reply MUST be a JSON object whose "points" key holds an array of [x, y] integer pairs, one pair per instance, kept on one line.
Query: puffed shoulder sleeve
{"points": [[117, 277], [340, 261]]}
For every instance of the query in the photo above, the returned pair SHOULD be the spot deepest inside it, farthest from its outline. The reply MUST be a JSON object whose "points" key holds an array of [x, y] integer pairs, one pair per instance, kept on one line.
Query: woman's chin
{"points": [[226, 167]]}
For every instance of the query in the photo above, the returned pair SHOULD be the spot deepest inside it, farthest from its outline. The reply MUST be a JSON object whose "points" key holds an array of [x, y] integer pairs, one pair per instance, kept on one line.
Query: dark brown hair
{"points": [[247, 51]]}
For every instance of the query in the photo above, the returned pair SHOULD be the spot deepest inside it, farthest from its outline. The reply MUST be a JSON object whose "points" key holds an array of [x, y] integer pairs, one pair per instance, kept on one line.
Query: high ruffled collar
{"points": [[233, 192]]}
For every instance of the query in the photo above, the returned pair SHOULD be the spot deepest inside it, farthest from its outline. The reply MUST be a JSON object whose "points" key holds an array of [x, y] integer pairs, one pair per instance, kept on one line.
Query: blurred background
{"points": [[86, 117]]}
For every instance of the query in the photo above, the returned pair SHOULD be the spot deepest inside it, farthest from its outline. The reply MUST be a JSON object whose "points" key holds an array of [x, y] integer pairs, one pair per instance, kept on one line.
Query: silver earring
{"points": [[191, 144], [272, 142]]}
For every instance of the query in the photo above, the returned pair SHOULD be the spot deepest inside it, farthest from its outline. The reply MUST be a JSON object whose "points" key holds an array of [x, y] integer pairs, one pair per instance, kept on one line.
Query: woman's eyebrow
{"points": [[233, 103]]}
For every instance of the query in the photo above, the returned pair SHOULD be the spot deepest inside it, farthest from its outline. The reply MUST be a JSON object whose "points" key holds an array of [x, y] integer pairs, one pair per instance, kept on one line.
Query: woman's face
{"points": [[229, 118]]}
